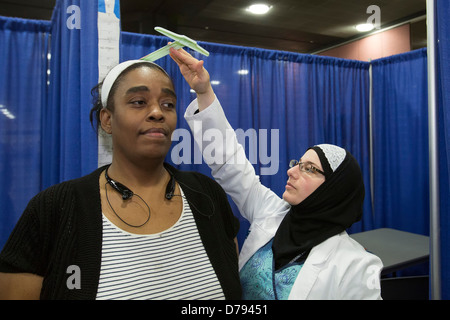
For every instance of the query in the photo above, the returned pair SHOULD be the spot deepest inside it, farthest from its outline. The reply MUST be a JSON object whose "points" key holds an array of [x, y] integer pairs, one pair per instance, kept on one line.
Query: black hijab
{"points": [[332, 208]]}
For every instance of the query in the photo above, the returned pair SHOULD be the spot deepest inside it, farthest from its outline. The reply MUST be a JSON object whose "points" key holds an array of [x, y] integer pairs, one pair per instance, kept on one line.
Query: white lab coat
{"points": [[338, 268]]}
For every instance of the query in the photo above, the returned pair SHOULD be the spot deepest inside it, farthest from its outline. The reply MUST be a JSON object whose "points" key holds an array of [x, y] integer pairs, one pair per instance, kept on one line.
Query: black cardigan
{"points": [[62, 226]]}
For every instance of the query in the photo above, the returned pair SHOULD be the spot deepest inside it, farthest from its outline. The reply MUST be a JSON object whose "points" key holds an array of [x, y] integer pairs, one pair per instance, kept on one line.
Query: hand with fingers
{"points": [[195, 75]]}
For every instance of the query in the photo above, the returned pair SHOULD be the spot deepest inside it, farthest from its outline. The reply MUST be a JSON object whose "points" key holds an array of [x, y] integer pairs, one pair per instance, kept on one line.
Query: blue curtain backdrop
{"points": [[70, 150], [288, 101], [46, 88], [443, 73], [23, 78], [400, 143]]}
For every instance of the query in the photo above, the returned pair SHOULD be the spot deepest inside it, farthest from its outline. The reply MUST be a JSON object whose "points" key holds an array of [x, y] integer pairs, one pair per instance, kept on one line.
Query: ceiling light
{"points": [[259, 8], [364, 27]]}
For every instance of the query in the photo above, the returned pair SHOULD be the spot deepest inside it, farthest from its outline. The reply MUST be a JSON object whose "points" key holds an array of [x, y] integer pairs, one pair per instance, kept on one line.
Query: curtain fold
{"points": [[70, 150], [23, 77], [400, 143]]}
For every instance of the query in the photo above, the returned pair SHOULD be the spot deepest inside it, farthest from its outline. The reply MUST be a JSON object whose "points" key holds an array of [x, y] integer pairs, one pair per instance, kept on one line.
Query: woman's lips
{"points": [[289, 186], [155, 132]]}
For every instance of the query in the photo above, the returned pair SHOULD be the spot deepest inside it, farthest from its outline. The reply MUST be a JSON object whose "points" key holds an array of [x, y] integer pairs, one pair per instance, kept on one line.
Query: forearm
{"points": [[20, 286], [216, 139], [205, 99], [228, 161]]}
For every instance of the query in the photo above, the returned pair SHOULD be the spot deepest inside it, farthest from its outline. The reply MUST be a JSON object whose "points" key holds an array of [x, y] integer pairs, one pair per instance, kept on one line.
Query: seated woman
{"points": [[135, 229], [297, 247]]}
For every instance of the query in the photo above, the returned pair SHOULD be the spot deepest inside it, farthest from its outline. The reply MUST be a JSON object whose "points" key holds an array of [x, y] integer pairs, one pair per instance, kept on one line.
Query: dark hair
{"points": [[94, 115]]}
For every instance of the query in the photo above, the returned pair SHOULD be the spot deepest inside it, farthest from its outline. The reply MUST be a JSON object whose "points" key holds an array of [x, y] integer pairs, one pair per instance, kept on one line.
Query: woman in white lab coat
{"points": [[297, 247]]}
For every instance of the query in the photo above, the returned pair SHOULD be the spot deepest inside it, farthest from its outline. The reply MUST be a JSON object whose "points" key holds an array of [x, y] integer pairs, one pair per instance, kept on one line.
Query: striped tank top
{"points": [[170, 265]]}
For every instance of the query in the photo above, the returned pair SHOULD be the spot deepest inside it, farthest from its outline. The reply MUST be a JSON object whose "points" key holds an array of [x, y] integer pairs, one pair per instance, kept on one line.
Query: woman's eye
{"points": [[138, 102], [309, 169], [168, 105]]}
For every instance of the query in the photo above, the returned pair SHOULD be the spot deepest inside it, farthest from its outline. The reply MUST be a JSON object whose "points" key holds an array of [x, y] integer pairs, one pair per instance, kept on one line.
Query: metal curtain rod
{"points": [[435, 261]]}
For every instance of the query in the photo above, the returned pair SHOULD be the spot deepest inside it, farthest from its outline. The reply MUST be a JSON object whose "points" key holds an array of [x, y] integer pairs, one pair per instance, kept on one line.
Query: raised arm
{"points": [[220, 148]]}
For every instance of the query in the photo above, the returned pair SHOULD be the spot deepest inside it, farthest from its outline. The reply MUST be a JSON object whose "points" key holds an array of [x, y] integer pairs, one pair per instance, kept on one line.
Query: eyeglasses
{"points": [[305, 167]]}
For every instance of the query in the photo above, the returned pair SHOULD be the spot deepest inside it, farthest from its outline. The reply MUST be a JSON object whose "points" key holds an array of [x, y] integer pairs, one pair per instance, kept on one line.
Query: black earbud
{"points": [[120, 188], [127, 193]]}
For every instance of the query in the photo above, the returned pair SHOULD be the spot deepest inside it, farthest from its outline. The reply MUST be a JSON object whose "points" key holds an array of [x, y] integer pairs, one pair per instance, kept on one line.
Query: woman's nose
{"points": [[155, 113], [293, 172]]}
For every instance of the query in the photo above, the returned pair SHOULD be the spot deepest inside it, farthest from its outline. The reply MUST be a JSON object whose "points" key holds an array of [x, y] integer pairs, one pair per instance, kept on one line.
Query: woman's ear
{"points": [[105, 120]]}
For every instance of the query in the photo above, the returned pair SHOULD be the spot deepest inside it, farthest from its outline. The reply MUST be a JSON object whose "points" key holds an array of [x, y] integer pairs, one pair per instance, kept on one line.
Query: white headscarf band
{"points": [[334, 154]]}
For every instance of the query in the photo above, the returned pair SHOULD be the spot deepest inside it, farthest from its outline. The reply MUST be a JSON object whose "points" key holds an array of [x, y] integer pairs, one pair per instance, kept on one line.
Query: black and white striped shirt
{"points": [[171, 265]]}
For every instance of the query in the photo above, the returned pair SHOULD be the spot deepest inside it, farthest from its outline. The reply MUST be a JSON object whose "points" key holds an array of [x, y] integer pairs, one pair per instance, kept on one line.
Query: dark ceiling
{"points": [[305, 26]]}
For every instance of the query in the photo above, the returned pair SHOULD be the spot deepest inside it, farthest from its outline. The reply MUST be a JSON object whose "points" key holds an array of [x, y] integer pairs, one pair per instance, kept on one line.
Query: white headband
{"points": [[114, 73]]}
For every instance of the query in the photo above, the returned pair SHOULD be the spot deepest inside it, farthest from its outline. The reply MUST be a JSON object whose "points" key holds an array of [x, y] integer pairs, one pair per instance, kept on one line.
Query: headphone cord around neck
{"points": [[128, 224]]}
